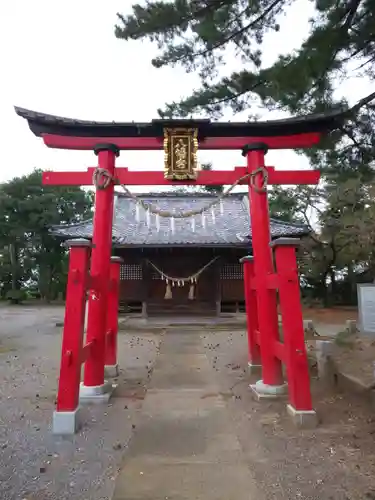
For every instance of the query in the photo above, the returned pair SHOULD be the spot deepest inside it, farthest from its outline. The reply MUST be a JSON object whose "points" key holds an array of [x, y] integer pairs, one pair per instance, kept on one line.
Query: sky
{"points": [[63, 58]]}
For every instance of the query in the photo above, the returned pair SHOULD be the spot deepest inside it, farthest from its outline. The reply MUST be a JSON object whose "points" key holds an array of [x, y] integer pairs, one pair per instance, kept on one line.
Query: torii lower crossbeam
{"points": [[205, 178]]}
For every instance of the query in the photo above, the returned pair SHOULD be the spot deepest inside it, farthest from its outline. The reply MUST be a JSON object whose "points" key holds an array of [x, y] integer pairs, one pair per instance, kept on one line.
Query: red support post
{"points": [[292, 322], [263, 265], [111, 366], [254, 359], [65, 417], [100, 270]]}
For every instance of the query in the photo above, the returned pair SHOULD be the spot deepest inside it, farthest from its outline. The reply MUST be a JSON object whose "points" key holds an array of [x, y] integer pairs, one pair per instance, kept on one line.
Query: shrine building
{"points": [[181, 266]]}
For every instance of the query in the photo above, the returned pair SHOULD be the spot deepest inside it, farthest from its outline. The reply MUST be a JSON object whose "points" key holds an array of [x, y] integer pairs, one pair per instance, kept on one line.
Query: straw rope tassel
{"points": [[157, 220], [168, 291], [191, 290], [203, 220]]}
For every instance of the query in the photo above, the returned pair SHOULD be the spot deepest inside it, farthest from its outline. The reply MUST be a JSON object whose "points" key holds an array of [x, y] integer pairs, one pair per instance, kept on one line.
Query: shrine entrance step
{"points": [[183, 323], [167, 308], [184, 446]]}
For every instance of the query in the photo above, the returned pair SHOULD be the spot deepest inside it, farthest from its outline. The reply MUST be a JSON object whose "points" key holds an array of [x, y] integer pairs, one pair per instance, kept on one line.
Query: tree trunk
{"points": [[14, 266], [325, 290], [332, 287], [45, 282], [49, 290], [353, 285]]}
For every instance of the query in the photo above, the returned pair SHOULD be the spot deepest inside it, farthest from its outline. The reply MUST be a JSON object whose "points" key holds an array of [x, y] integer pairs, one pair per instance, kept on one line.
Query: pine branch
{"points": [[164, 60], [341, 27], [139, 32], [360, 104]]}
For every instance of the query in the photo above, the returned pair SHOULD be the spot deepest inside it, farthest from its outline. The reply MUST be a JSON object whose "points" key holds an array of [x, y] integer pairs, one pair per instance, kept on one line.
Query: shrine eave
{"points": [[42, 124]]}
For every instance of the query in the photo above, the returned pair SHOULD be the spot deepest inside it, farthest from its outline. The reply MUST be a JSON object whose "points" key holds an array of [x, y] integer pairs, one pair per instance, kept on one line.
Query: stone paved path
{"points": [[183, 447]]}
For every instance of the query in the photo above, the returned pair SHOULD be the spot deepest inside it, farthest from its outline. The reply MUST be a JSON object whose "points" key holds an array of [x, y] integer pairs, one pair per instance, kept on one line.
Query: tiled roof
{"points": [[227, 229], [41, 123]]}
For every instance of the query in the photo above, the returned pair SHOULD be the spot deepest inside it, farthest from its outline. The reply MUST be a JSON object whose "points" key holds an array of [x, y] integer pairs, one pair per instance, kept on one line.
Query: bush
{"points": [[16, 296]]}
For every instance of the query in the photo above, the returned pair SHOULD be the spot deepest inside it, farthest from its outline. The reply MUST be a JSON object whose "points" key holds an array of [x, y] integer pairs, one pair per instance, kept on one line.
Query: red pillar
{"points": [[100, 266], [292, 321], [112, 317], [263, 265], [251, 312], [72, 343]]}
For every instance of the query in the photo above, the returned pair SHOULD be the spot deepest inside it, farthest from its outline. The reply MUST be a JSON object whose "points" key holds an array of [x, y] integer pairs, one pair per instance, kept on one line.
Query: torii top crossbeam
{"points": [[66, 133]]}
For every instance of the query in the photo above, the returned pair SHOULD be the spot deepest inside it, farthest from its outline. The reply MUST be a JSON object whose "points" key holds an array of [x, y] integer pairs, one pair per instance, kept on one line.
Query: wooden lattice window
{"points": [[131, 272], [231, 272]]}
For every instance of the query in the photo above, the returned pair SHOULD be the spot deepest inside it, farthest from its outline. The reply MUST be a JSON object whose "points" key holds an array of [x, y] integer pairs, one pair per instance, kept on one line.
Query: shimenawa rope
{"points": [[171, 281], [102, 179], [192, 277]]}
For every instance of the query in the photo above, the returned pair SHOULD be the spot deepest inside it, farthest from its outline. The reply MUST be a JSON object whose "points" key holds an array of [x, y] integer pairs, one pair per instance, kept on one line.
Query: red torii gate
{"points": [[261, 279]]}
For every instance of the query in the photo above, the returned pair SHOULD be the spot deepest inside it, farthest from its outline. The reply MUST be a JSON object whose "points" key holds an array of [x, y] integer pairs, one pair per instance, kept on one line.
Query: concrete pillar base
{"points": [[96, 393], [111, 371], [265, 391], [65, 423], [305, 419], [253, 369], [324, 350], [308, 325], [351, 326]]}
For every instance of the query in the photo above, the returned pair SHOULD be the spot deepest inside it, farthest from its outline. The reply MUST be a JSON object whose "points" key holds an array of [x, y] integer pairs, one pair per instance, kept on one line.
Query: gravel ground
{"points": [[34, 464], [332, 462]]}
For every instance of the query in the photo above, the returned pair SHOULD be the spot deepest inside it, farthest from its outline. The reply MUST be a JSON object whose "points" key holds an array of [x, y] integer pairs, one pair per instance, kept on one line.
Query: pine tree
{"points": [[200, 35]]}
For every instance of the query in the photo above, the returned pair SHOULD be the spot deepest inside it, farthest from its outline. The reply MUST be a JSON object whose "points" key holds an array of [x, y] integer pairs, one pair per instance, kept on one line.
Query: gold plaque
{"points": [[180, 154]]}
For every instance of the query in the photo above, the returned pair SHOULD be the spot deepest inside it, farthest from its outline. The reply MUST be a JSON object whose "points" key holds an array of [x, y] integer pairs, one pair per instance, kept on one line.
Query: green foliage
{"points": [[29, 254], [199, 34], [196, 35], [343, 241], [287, 205], [16, 296]]}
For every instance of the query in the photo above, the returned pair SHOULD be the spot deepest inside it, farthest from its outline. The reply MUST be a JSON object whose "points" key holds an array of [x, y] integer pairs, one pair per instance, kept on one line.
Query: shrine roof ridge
{"points": [[42, 123]]}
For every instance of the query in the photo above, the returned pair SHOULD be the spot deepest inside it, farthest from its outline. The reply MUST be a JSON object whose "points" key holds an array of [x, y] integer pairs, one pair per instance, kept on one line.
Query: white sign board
{"points": [[366, 307]]}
